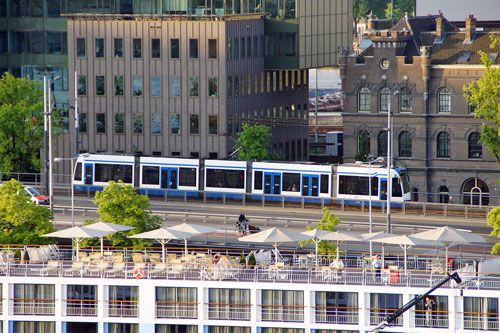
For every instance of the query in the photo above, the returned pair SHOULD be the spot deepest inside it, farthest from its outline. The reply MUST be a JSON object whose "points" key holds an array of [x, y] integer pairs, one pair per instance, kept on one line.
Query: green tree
{"points": [[254, 143], [363, 152], [21, 124], [482, 94], [121, 204], [21, 221], [328, 222], [401, 7], [494, 222], [361, 10]]}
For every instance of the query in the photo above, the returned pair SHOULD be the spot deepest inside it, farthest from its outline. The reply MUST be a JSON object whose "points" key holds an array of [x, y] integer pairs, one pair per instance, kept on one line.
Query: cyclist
{"points": [[243, 221]]}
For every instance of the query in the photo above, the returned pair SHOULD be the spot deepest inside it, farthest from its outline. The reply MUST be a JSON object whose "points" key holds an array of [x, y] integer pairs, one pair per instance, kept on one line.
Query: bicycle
{"points": [[240, 228]]}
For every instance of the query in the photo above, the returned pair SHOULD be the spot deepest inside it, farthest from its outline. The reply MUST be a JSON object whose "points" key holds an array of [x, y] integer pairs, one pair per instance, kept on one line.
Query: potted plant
{"points": [[251, 260]]}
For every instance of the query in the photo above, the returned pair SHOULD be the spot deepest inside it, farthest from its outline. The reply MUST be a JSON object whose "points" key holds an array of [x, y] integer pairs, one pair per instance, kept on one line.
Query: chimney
{"points": [[440, 30], [470, 29]]}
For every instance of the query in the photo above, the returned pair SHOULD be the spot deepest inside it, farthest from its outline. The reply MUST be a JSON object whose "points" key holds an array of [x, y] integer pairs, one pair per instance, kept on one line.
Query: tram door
{"points": [[310, 185], [169, 178], [89, 171], [272, 183], [383, 189]]}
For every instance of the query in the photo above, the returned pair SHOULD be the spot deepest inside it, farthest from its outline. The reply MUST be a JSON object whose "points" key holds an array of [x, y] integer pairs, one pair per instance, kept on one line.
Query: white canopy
{"points": [[163, 235]]}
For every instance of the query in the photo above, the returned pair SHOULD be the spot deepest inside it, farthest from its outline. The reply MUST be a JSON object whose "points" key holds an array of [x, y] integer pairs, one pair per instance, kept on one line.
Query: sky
{"points": [[328, 78]]}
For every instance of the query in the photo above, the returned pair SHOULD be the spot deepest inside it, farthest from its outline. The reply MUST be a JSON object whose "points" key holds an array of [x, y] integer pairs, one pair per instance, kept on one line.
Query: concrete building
{"points": [[177, 78], [418, 69]]}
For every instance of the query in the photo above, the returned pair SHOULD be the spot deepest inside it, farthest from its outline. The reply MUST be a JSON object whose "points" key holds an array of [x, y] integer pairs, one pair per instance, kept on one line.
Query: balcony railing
{"points": [[123, 308], [222, 311], [335, 315], [292, 313], [44, 307], [185, 310], [376, 316], [433, 319], [81, 307], [479, 321]]}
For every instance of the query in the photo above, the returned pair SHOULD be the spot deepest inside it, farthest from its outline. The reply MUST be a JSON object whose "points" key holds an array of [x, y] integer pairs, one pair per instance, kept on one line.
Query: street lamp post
{"points": [[389, 160], [378, 159]]}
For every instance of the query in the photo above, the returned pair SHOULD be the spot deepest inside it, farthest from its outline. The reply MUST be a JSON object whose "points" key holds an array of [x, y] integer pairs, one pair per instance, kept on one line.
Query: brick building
{"points": [[418, 69]]}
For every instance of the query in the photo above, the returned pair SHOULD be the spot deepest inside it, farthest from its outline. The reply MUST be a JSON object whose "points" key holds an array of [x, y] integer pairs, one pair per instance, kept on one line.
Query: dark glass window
{"points": [[382, 143], [81, 299], [193, 124], [99, 47], [406, 100], [100, 123], [255, 46], [53, 8], [187, 176], [291, 182], [229, 49], [443, 144], [106, 172], [151, 175], [242, 51], [56, 43], [82, 85], [405, 144], [324, 184], [137, 123], [119, 85], [193, 48], [444, 100], [385, 95], [249, 47], [174, 48], [119, 123], [257, 180], [136, 48], [80, 48], [223, 178], [236, 48], [118, 48], [82, 121], [212, 48], [78, 170], [155, 48], [212, 124], [100, 85], [364, 99], [212, 87], [475, 147]]}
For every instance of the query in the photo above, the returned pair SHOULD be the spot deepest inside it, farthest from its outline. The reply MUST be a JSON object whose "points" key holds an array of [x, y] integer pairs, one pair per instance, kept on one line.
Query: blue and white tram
{"points": [[174, 176], [291, 180], [94, 171], [225, 176], [353, 183]]}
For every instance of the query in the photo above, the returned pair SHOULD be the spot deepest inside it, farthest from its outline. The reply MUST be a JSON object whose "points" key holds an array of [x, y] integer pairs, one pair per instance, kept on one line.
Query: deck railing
{"points": [[81, 307], [24, 306], [289, 313], [184, 310], [335, 315], [122, 308], [223, 311]]}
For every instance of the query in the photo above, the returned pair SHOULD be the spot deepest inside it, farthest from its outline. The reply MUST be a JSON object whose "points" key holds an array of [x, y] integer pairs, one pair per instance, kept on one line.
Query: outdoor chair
{"points": [[155, 257], [177, 268], [75, 269], [159, 271], [52, 268], [137, 257], [118, 269], [170, 257], [96, 269]]}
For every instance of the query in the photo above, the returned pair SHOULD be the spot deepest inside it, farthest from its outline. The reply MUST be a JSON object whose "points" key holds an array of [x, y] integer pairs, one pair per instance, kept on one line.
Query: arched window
{"points": [[385, 94], [475, 147], [444, 100], [444, 194], [363, 144], [443, 144], [364, 99], [406, 100], [475, 192], [404, 144], [382, 143]]}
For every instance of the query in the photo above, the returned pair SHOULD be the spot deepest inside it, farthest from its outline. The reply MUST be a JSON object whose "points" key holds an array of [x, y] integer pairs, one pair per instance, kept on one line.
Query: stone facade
{"points": [[421, 66]]}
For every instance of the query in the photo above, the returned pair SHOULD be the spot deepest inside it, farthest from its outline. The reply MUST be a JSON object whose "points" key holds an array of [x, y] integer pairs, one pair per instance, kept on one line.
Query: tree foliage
{"points": [[21, 124], [362, 153], [328, 222], [494, 222], [483, 94], [119, 203], [254, 143], [21, 221], [382, 8]]}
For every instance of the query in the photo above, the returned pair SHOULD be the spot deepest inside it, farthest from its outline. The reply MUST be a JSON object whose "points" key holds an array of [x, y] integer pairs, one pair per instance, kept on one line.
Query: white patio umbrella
{"points": [[340, 237], [448, 236], [405, 241], [316, 235], [162, 235], [111, 227], [374, 236], [275, 236], [193, 230], [77, 234]]}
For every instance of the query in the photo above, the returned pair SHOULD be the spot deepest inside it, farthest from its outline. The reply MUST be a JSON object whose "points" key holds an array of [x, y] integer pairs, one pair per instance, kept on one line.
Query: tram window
{"points": [[396, 187], [78, 171], [324, 184], [151, 175], [187, 176], [291, 182], [353, 185], [257, 180], [106, 172], [226, 178]]}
